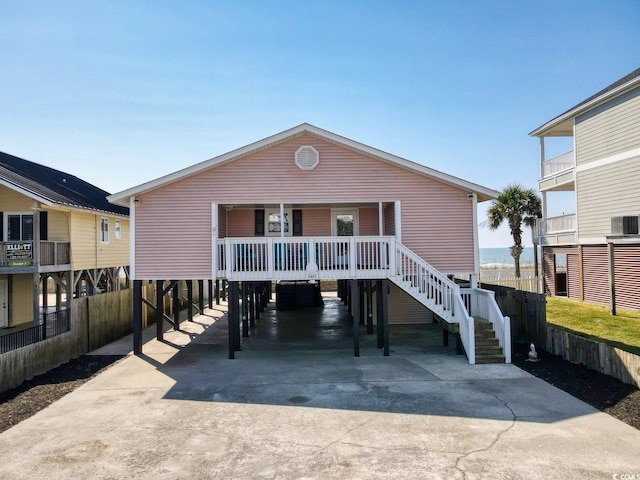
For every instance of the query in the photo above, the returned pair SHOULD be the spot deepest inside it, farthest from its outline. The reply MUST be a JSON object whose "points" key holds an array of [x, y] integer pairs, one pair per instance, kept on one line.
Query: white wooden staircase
{"points": [[373, 257], [486, 338]]}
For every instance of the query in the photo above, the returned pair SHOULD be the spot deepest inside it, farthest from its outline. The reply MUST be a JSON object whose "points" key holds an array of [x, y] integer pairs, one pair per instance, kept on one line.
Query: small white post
{"points": [[282, 220], [132, 238], [398, 220]]}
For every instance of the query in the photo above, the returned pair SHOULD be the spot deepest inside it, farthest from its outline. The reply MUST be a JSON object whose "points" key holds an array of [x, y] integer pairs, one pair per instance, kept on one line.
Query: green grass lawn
{"points": [[595, 321]]}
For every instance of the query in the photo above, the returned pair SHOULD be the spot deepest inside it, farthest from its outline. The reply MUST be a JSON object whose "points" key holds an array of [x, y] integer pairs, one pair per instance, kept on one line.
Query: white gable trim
{"points": [[574, 112], [122, 198]]}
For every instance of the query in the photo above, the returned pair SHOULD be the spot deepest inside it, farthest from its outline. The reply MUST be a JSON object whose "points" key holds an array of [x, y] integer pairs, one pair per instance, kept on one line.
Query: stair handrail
{"points": [[427, 279], [424, 276], [489, 310]]}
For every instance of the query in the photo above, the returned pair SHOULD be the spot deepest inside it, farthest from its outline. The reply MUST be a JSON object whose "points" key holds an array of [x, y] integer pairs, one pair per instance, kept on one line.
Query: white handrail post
{"points": [[270, 257], [472, 341], [311, 252], [393, 255], [353, 257], [228, 257], [507, 340]]}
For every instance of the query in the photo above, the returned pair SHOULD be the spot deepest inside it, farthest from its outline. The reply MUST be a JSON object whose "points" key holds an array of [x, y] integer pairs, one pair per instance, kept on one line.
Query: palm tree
{"points": [[516, 205]]}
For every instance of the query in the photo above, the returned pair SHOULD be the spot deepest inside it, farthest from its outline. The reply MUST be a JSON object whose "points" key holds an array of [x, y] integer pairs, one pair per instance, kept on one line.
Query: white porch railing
{"points": [[558, 164], [304, 258], [374, 257], [482, 304]]}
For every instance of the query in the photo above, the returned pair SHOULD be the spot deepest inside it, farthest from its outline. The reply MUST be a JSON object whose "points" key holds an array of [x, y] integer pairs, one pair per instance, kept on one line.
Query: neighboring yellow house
{"points": [[56, 229]]}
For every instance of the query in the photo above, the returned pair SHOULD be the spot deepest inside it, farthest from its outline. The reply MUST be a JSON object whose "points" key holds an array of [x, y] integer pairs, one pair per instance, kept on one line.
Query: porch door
{"points": [[344, 223], [4, 317]]}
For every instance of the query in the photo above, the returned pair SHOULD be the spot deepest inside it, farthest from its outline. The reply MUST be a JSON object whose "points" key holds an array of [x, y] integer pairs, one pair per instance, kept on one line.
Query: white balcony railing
{"points": [[559, 224], [558, 164]]}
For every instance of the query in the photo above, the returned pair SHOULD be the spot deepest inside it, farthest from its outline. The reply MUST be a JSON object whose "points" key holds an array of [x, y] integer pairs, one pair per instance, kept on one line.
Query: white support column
{"points": [[398, 220], [214, 241], [542, 154], [380, 219], [282, 219], [132, 237], [476, 243], [353, 259], [228, 257]]}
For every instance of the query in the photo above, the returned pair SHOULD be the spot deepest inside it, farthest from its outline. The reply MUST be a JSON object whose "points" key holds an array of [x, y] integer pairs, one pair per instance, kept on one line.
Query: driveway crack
{"points": [[339, 439], [493, 442]]}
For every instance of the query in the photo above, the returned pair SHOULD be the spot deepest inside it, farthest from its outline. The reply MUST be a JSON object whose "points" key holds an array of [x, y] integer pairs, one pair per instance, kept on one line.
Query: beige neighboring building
{"points": [[59, 236], [600, 241]]}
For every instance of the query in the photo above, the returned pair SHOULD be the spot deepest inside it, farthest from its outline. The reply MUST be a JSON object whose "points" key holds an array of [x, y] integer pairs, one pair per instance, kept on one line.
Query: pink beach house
{"points": [[308, 205]]}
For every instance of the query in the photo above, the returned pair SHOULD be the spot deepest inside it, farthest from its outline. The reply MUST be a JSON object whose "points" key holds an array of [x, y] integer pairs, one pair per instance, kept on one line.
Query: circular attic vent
{"points": [[307, 157]]}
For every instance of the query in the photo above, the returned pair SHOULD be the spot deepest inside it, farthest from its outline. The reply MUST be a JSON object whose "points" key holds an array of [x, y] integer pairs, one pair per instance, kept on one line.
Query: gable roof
{"points": [[562, 125], [122, 198], [53, 187]]}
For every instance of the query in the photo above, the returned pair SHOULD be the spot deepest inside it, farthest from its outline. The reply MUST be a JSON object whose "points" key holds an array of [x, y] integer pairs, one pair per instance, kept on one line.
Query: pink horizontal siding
{"points": [[222, 222], [241, 222], [172, 241], [368, 220], [316, 222], [437, 219], [389, 221]]}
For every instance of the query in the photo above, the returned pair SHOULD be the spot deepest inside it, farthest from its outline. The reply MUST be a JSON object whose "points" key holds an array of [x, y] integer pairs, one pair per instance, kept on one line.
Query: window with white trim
{"points": [[117, 229], [273, 225], [104, 230]]}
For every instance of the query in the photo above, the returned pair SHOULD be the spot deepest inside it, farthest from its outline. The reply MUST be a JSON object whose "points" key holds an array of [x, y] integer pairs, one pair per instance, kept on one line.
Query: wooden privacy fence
{"points": [[624, 366], [93, 321], [527, 311]]}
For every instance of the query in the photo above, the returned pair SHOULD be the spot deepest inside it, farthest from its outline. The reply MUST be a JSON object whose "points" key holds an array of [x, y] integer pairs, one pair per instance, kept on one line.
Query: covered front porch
{"points": [[253, 242]]}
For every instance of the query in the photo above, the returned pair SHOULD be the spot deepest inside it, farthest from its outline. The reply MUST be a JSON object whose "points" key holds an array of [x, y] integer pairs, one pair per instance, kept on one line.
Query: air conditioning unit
{"points": [[627, 225]]}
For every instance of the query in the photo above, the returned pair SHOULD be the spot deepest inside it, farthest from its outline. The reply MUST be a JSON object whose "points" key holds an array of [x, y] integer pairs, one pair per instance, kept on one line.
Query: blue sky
{"points": [[122, 92]]}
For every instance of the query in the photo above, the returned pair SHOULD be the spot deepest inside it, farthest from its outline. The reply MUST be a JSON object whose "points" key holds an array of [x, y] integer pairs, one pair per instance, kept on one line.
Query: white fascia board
{"points": [[407, 164], [28, 193], [538, 132], [122, 198]]}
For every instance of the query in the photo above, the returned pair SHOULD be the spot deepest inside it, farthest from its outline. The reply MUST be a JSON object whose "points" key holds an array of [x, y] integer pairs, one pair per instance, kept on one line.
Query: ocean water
{"points": [[501, 256]]}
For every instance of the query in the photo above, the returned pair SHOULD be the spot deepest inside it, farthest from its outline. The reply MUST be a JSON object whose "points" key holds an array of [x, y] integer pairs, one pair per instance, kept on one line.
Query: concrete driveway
{"points": [[295, 403]]}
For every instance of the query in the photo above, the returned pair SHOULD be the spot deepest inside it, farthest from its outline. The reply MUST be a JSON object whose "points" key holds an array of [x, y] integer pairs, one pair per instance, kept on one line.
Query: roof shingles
{"points": [[56, 186]]}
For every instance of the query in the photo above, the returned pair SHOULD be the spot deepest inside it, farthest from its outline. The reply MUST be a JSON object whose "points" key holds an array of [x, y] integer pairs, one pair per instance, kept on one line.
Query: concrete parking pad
{"points": [[296, 403]]}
